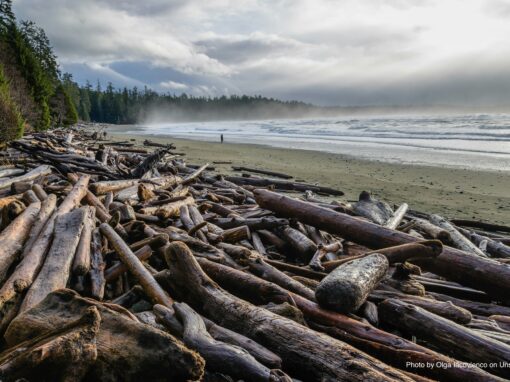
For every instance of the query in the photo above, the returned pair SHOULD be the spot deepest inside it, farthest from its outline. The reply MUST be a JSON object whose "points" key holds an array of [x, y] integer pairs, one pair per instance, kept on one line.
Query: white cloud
{"points": [[173, 85], [327, 51]]}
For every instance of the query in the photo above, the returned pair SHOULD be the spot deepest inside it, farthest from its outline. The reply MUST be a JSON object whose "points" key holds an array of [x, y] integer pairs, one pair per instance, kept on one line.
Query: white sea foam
{"points": [[472, 141]]}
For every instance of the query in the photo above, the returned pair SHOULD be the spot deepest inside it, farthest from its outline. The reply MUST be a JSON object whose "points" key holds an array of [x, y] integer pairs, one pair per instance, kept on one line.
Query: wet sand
{"points": [[452, 192]]}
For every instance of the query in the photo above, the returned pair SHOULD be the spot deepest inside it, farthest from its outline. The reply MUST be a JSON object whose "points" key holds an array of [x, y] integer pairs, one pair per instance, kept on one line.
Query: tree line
{"points": [[129, 106]]}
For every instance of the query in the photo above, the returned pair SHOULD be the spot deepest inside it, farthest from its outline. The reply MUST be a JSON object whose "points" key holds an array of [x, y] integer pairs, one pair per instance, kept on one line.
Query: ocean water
{"points": [[480, 141]]}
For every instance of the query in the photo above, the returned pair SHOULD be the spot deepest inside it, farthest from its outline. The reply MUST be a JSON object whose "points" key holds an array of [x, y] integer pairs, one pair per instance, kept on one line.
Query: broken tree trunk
{"points": [[346, 288], [323, 358], [485, 274]]}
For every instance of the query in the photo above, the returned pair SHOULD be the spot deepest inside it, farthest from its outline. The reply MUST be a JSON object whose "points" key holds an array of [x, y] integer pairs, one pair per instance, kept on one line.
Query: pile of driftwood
{"points": [[126, 263]]}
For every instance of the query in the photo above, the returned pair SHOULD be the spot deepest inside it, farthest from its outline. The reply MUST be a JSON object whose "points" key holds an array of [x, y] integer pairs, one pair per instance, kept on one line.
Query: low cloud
{"points": [[381, 52]]}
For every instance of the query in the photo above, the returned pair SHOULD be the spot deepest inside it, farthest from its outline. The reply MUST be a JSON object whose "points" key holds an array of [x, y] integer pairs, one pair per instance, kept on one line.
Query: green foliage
{"points": [[41, 48], [11, 122], [124, 106], [6, 15]]}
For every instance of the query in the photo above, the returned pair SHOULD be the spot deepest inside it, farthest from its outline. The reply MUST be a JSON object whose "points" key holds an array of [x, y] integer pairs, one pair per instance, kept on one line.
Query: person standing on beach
{"points": [[221, 138]]}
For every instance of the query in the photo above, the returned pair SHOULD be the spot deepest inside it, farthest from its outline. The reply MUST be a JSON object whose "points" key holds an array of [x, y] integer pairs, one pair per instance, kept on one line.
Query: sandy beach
{"points": [[454, 193]]}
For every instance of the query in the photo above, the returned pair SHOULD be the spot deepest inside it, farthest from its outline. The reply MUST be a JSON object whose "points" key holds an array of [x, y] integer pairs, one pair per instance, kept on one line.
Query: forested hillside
{"points": [[32, 95]]}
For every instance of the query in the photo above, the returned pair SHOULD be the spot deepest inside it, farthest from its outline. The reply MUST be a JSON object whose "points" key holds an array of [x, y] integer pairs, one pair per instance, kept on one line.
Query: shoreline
{"points": [[452, 192]]}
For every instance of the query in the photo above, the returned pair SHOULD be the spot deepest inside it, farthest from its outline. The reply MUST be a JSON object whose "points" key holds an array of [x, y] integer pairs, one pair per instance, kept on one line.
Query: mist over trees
{"points": [[129, 106]]}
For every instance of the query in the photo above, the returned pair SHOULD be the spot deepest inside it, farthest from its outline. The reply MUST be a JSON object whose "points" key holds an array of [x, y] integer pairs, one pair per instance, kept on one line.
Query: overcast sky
{"points": [[329, 52]]}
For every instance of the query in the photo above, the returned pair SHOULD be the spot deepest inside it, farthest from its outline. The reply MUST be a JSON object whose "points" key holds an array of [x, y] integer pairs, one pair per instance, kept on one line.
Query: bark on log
{"points": [[101, 188], [444, 309], [263, 172], [219, 356], [347, 287], [97, 266], [14, 236], [167, 210], [494, 248], [283, 185], [375, 210], [31, 175], [323, 358], [135, 266], [463, 343], [167, 317], [56, 269], [485, 274], [63, 354], [127, 350], [300, 242], [432, 230], [81, 262], [394, 221], [388, 347], [457, 239]]}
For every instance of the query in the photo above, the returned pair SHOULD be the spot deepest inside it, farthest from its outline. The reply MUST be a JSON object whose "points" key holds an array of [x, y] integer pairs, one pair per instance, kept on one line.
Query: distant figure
{"points": [[221, 138]]}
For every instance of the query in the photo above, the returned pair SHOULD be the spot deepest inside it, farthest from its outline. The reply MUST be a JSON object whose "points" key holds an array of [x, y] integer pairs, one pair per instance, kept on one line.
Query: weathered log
{"points": [[135, 266], [234, 235], [323, 358], [29, 176], [30, 197], [493, 247], [463, 343], [263, 172], [304, 247], [81, 262], [14, 236], [167, 317], [487, 275], [101, 188], [131, 193], [322, 251], [56, 269], [375, 210], [167, 210], [444, 309], [195, 175], [432, 230], [475, 307], [481, 225], [457, 239], [390, 348], [219, 356], [64, 353], [394, 221], [346, 288], [397, 254], [39, 191], [97, 266], [283, 185], [127, 350]]}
